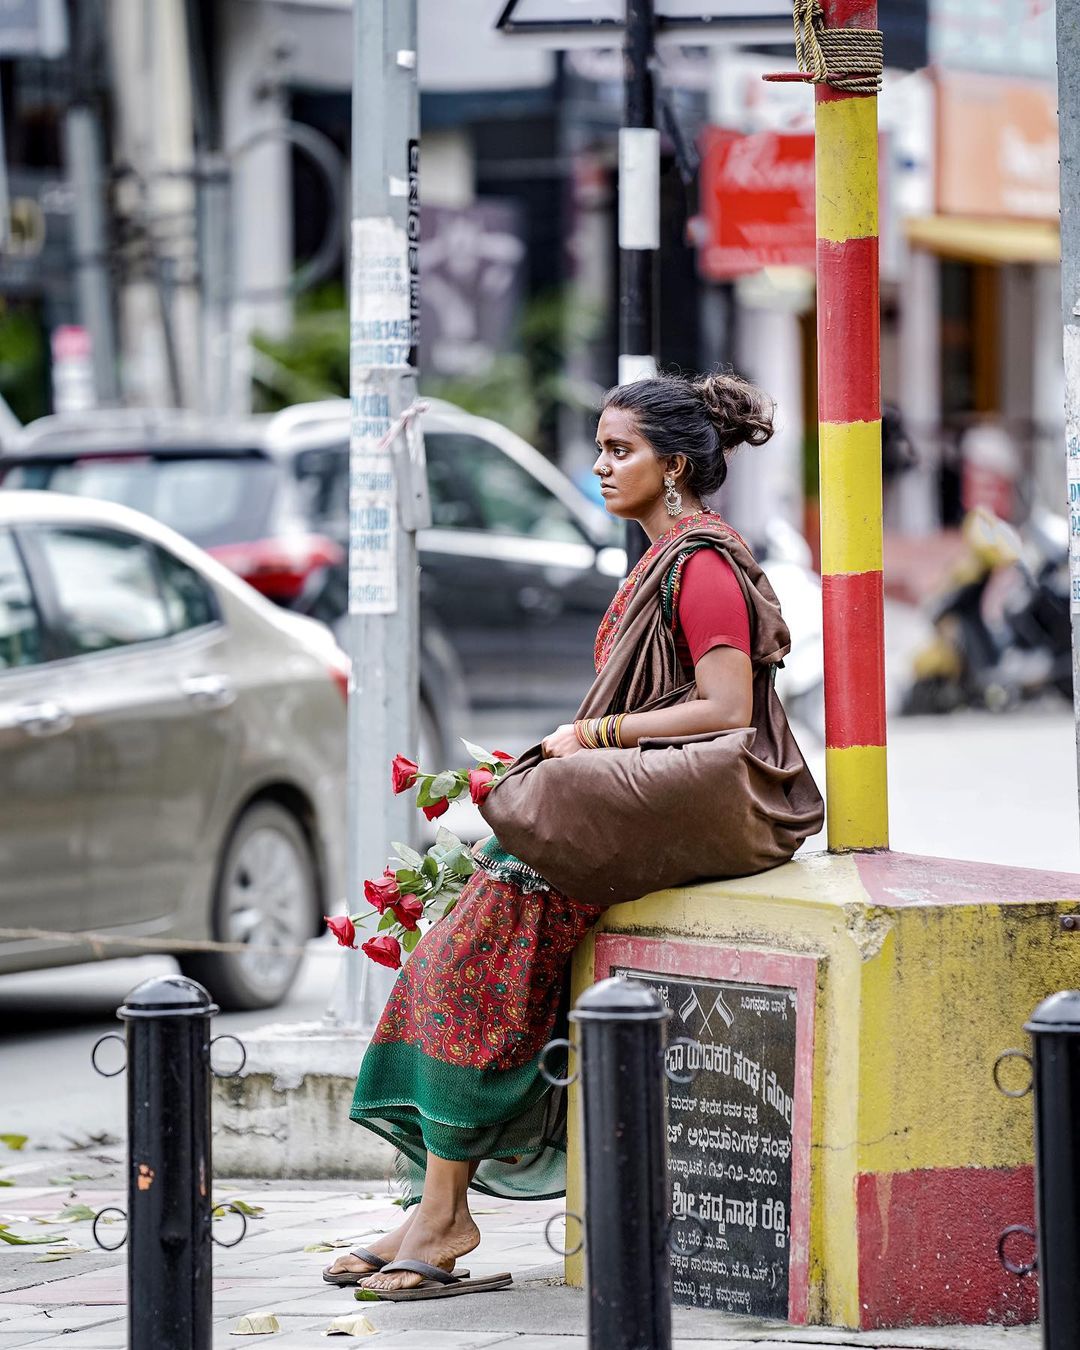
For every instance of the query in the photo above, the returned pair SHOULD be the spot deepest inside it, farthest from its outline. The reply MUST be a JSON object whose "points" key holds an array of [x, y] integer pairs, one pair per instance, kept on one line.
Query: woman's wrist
{"points": [[600, 733]]}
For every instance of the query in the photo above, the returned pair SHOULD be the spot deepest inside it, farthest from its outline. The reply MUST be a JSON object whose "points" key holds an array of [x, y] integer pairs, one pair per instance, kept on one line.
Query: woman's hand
{"points": [[563, 741]]}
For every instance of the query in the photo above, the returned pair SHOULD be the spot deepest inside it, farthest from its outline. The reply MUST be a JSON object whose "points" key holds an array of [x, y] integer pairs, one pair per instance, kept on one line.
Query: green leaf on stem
{"points": [[387, 921], [408, 856], [446, 839], [430, 868], [408, 880], [410, 939], [478, 752], [449, 905], [444, 784]]}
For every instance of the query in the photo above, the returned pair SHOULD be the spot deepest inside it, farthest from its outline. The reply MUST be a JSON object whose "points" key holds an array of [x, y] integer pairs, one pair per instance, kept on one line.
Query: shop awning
{"points": [[992, 241]]}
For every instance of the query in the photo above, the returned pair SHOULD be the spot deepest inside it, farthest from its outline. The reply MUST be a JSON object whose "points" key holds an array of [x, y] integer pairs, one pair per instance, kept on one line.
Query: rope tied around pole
{"points": [[851, 59]]}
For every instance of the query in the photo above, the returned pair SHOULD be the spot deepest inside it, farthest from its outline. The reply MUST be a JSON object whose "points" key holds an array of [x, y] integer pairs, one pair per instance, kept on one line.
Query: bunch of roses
{"points": [[435, 791], [417, 886]]}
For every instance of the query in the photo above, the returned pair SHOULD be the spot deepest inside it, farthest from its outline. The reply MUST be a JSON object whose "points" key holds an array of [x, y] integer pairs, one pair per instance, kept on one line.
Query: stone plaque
{"points": [[738, 1130]]}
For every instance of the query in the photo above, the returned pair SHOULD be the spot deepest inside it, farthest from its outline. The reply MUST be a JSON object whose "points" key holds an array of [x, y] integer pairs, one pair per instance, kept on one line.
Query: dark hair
{"points": [[703, 419]]}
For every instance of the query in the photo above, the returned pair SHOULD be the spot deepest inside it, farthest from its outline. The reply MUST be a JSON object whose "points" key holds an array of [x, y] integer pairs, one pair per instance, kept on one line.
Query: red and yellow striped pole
{"points": [[849, 415]]}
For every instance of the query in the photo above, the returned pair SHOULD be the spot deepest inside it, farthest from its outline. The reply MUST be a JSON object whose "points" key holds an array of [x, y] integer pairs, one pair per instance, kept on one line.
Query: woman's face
{"points": [[631, 476]]}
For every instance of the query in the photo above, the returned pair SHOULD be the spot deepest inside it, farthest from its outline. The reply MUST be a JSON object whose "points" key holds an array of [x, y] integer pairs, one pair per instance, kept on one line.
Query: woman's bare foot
{"points": [[438, 1241], [386, 1246]]}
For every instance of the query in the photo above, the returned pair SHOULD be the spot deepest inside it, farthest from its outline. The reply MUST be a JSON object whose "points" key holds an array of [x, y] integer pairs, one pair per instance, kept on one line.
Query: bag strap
{"points": [[672, 583]]}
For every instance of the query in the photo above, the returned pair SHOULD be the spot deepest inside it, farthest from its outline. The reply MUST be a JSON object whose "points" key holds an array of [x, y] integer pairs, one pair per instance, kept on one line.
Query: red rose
{"points": [[384, 951], [408, 911], [403, 774], [480, 781], [502, 757], [382, 893], [433, 812], [342, 928]]}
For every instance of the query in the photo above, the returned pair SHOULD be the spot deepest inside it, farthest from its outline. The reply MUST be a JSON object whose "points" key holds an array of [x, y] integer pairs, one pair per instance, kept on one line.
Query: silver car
{"points": [[172, 752]]}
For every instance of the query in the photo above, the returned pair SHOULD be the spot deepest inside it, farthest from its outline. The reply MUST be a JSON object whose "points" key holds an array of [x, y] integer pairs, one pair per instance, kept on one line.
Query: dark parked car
{"points": [[516, 569]]}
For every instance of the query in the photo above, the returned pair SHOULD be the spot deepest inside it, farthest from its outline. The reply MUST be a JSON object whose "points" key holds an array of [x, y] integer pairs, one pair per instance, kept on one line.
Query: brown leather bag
{"points": [[605, 826]]}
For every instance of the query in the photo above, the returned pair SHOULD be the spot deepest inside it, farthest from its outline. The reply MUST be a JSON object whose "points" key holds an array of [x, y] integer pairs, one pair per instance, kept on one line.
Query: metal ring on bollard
{"points": [[549, 1077], [109, 1036], [569, 1251], [234, 1073], [1011, 1266], [1013, 1054], [228, 1205], [685, 1251], [109, 1209], [669, 1073]]}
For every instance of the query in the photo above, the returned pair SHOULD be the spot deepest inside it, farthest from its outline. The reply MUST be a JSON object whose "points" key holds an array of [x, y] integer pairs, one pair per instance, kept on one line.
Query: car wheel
{"points": [[265, 896]]}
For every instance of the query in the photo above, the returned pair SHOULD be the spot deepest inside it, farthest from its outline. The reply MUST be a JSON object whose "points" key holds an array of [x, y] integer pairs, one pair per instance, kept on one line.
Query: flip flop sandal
{"points": [[437, 1283], [344, 1278]]}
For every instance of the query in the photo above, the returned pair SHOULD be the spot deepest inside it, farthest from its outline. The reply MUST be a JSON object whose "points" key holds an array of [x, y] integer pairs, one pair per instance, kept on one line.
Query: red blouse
{"points": [[711, 607]]}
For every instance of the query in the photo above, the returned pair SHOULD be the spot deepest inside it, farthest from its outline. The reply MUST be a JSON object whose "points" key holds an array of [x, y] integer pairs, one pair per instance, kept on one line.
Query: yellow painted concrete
{"points": [[847, 168], [850, 455], [914, 1002], [857, 797]]}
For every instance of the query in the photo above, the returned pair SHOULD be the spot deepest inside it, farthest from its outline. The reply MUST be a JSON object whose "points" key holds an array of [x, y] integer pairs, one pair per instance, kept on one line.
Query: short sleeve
{"points": [[711, 608]]}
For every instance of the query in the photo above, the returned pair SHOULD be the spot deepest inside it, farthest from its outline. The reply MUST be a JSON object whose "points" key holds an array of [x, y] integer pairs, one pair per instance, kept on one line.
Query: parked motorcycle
{"points": [[977, 661]]}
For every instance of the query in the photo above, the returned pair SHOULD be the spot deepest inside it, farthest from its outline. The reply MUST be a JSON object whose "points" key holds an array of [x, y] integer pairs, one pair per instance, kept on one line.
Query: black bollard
{"points": [[1055, 1030], [622, 1029], [169, 1178]]}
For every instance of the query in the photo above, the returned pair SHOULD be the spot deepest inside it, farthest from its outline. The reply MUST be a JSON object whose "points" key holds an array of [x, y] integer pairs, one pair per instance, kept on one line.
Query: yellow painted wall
{"points": [[914, 1003]]}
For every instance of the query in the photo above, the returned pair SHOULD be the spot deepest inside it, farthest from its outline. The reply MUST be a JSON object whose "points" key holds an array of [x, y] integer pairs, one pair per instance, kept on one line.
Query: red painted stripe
{"points": [[849, 356], [849, 13], [928, 1247], [852, 609]]}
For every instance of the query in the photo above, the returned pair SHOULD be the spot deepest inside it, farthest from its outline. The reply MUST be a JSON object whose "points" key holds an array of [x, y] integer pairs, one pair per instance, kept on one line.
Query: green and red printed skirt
{"points": [[454, 1066]]}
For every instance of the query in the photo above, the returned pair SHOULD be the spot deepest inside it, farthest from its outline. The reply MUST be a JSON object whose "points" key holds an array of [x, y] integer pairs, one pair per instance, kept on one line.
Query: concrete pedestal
{"points": [[287, 1115], [897, 1160]]}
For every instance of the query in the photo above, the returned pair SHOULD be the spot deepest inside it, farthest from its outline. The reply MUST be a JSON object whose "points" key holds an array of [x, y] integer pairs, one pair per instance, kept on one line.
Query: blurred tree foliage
{"points": [[523, 387], [24, 374]]}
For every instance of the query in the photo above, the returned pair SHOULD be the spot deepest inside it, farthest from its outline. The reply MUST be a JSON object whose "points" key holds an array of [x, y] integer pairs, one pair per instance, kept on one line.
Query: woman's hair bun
{"points": [[741, 413]]}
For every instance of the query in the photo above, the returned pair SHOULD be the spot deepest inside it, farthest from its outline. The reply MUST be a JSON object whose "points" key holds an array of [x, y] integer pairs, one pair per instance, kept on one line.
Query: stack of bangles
{"points": [[600, 733]]}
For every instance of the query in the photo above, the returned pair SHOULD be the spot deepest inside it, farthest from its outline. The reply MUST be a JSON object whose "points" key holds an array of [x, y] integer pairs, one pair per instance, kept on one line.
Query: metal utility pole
{"points": [[1068, 62], [639, 216], [387, 479], [83, 150], [213, 197], [639, 200]]}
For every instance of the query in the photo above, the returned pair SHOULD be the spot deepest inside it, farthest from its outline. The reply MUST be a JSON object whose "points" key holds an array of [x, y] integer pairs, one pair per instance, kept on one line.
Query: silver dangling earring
{"points": [[672, 496]]}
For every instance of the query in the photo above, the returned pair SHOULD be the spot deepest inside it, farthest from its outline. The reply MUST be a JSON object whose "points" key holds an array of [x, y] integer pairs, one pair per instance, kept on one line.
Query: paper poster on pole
{"points": [[380, 341]]}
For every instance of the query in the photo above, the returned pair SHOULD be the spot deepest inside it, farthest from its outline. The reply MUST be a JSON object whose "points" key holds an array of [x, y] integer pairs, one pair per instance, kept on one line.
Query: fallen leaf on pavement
{"points": [[258, 1325], [67, 1181], [14, 1141], [241, 1207], [319, 1247], [13, 1239], [356, 1325], [77, 1214]]}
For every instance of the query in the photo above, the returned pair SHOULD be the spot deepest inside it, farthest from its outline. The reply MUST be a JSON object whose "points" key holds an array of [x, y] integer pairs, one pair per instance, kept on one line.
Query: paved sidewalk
{"points": [[78, 1302]]}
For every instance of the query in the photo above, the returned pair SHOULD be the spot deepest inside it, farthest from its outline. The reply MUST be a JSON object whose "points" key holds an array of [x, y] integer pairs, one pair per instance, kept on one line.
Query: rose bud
{"points": [[480, 781], [503, 757], [403, 774], [433, 812], [343, 929], [383, 892], [384, 951], [408, 911]]}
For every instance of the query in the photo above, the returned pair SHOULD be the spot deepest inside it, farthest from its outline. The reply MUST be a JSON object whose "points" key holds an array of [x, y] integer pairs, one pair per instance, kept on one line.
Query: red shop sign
{"points": [[757, 198]]}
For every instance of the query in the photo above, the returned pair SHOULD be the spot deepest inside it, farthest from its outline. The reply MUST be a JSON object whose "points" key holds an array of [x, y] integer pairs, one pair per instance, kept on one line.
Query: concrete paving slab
{"points": [[17, 1341], [59, 1321]]}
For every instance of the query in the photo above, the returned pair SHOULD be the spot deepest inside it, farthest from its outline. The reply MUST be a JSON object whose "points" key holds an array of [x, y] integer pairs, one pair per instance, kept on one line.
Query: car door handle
{"points": [[44, 719], [208, 691]]}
